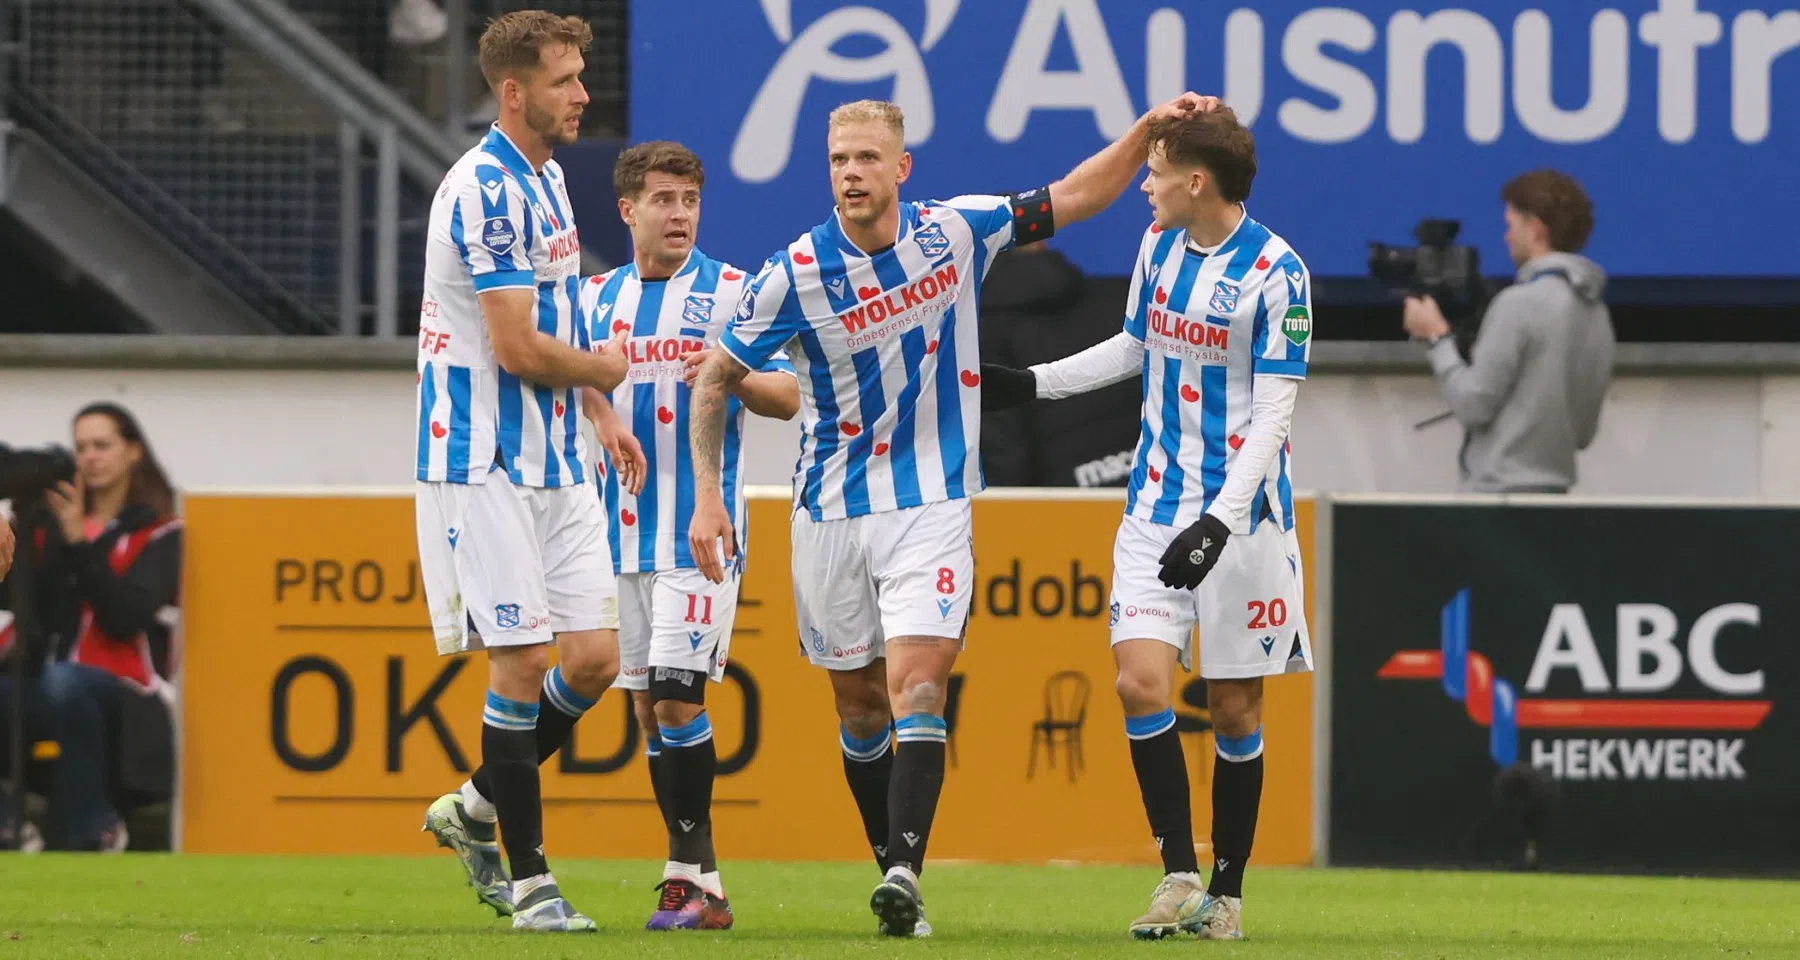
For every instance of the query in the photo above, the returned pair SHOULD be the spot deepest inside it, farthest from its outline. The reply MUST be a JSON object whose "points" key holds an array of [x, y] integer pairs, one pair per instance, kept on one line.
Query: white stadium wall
{"points": [[1716, 435]]}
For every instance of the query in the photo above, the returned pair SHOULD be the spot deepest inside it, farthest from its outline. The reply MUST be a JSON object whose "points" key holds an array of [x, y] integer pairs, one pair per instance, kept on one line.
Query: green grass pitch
{"points": [[163, 906]]}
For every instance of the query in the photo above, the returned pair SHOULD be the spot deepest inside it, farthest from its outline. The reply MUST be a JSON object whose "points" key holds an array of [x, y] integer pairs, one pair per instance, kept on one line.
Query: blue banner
{"points": [[1681, 117]]}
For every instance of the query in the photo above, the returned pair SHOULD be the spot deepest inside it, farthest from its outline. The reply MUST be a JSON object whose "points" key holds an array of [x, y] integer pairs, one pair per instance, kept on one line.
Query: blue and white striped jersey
{"points": [[497, 224], [666, 321], [1210, 323], [887, 351]]}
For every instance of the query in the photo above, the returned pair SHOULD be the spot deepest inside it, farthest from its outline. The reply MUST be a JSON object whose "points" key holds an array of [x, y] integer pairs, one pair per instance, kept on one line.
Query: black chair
{"points": [[1065, 711]]}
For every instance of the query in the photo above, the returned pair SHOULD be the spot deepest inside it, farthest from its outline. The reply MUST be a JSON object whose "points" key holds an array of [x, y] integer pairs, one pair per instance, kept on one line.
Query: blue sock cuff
{"points": [[691, 734], [921, 728], [507, 714], [1239, 749], [562, 696], [1145, 727], [864, 749]]}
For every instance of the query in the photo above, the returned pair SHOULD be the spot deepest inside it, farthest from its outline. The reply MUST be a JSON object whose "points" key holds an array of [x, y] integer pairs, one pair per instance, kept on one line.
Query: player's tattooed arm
{"points": [[711, 525], [767, 394], [530, 355], [1099, 180]]}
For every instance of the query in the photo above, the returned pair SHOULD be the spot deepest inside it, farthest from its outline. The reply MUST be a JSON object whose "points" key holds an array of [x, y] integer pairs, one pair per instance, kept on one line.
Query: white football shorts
{"points": [[677, 619], [512, 566], [1251, 609], [861, 581]]}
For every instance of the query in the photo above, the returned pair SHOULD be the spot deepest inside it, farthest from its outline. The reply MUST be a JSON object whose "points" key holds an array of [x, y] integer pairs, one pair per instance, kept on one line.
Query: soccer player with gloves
{"points": [[1219, 323]]}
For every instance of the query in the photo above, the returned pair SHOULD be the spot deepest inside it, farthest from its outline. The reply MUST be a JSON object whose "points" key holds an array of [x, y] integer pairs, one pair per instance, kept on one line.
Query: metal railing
{"points": [[248, 140], [425, 51]]}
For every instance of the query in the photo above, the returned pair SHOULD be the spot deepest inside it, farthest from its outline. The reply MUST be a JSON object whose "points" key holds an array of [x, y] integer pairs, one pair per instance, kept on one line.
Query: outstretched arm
{"points": [[1099, 180]]}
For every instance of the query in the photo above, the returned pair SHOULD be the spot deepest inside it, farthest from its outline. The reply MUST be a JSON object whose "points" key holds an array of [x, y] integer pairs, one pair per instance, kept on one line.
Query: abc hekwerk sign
{"points": [[1642, 661]]}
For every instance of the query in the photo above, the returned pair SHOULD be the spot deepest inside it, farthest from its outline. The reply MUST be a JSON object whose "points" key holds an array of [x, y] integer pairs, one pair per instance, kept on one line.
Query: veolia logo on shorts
{"points": [[765, 140]]}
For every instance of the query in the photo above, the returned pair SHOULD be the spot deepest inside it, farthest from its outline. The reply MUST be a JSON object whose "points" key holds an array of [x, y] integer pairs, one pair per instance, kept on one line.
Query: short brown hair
{"points": [[1215, 141], [870, 111], [660, 156], [514, 42], [1555, 198]]}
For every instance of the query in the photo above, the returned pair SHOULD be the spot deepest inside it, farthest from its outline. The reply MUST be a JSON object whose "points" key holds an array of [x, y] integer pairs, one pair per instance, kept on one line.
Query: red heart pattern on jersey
{"points": [[1189, 394], [931, 348], [1156, 228], [620, 326], [849, 429], [880, 449], [438, 431], [867, 293], [560, 409], [1162, 296], [1235, 441], [665, 414], [802, 259], [971, 379], [731, 276], [1262, 263], [1155, 475], [627, 518]]}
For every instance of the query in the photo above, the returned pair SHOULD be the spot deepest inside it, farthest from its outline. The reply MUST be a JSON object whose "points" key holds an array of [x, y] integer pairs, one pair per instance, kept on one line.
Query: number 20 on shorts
{"points": [[1264, 615]]}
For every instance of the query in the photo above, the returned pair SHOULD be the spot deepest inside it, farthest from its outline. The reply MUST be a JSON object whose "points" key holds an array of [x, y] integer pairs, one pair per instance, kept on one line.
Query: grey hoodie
{"points": [[1531, 395]]}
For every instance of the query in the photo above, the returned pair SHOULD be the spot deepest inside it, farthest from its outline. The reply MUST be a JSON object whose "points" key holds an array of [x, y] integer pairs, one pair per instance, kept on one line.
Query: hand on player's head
{"points": [[1187, 104]]}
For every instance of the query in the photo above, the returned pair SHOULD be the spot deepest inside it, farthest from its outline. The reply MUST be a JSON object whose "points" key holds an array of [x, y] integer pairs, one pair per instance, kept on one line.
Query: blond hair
{"points": [[513, 44], [871, 111]]}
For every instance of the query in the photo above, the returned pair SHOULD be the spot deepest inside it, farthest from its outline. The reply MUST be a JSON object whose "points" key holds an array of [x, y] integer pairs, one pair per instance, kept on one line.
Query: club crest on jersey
{"points": [[1224, 297], [931, 240], [818, 640], [497, 235], [1297, 325], [697, 310]]}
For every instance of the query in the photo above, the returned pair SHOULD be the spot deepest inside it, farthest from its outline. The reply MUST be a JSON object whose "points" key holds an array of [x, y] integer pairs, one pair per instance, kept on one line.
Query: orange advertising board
{"points": [[314, 699]]}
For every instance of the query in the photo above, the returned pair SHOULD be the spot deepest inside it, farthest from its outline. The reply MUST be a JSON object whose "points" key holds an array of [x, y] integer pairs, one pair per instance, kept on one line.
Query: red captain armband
{"points": [[1033, 218]]}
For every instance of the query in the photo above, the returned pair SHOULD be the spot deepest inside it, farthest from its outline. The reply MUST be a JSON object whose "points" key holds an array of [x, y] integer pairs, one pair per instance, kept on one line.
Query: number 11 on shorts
{"points": [[696, 607]]}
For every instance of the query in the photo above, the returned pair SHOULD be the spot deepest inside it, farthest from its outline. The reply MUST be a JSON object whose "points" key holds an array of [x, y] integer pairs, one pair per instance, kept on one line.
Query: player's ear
{"points": [[627, 210], [905, 166]]}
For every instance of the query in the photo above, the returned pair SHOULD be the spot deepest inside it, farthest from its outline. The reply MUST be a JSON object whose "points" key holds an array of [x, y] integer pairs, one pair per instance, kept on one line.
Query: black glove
{"points": [[1193, 553], [1005, 387]]}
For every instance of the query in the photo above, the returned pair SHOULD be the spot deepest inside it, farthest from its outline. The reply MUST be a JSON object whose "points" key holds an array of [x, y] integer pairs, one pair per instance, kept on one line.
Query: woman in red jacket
{"points": [[111, 569]]}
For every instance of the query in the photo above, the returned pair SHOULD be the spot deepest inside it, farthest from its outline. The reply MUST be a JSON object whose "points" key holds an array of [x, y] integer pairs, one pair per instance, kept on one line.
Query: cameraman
{"points": [[1529, 396], [98, 670]]}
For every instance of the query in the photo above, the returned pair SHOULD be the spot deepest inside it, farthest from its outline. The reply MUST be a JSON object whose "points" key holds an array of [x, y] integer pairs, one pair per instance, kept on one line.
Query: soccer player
{"points": [[1219, 322], [672, 301], [512, 537], [881, 301]]}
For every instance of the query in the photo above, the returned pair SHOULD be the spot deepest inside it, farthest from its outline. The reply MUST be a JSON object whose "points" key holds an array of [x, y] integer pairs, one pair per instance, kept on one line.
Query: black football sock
{"points": [[688, 764], [508, 753], [559, 706], [653, 755], [868, 768], [1237, 793], [1162, 779], [918, 779]]}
